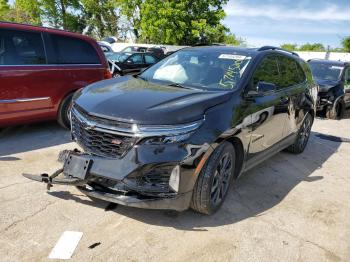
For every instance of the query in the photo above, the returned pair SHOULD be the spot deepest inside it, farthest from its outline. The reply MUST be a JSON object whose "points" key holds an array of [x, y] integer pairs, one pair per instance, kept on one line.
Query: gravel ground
{"points": [[290, 208]]}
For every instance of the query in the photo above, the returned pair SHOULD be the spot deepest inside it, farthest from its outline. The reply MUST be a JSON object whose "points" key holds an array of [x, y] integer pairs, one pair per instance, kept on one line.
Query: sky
{"points": [[270, 22]]}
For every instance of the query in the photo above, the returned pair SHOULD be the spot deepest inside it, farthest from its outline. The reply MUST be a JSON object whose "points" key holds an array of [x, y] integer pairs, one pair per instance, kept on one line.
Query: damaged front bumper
{"points": [[143, 183]]}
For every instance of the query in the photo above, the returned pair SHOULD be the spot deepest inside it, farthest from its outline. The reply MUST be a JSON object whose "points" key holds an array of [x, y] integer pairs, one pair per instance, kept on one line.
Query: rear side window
{"points": [[21, 48], [149, 59], [70, 50], [136, 59], [291, 72]]}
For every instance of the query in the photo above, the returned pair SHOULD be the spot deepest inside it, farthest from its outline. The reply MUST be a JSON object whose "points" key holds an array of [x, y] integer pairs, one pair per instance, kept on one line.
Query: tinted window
{"points": [[291, 73], [150, 59], [267, 71], [136, 59], [69, 50], [21, 48]]}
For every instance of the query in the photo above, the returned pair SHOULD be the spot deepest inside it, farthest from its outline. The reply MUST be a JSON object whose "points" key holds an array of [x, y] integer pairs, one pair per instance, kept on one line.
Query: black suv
{"points": [[179, 133], [333, 78]]}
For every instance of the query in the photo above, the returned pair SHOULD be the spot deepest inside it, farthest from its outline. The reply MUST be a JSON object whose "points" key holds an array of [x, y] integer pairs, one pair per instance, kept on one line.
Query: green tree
{"points": [[131, 9], [66, 14], [346, 44], [4, 8], [28, 11], [231, 39], [182, 22], [289, 47], [312, 47], [101, 17]]}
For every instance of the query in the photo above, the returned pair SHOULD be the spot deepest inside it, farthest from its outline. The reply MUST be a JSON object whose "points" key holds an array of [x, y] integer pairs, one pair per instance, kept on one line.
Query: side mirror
{"points": [[262, 88], [129, 62]]}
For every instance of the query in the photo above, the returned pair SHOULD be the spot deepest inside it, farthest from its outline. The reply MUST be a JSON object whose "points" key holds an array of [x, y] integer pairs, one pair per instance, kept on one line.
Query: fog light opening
{"points": [[174, 180]]}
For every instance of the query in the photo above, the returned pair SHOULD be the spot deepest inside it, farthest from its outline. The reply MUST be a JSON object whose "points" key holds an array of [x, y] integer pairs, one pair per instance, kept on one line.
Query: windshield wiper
{"points": [[182, 86]]}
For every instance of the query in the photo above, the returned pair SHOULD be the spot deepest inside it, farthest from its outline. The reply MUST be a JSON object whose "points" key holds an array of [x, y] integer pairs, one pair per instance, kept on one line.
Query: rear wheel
{"points": [[336, 112], [63, 117], [303, 136], [214, 180], [116, 74]]}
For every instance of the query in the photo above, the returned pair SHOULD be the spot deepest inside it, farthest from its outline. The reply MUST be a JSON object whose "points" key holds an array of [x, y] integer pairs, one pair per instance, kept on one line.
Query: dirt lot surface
{"points": [[290, 208]]}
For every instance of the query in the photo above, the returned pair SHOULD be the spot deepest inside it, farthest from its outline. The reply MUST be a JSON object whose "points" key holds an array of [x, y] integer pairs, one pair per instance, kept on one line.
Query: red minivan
{"points": [[41, 68]]}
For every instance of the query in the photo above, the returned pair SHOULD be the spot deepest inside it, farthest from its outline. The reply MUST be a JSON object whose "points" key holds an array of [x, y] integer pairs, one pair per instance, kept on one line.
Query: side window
{"points": [[21, 48], [347, 78], [291, 73], [69, 50], [267, 71], [136, 59], [150, 59]]}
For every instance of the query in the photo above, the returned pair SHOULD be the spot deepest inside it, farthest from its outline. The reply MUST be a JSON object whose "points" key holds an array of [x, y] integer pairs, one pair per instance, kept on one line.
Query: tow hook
{"points": [[45, 178]]}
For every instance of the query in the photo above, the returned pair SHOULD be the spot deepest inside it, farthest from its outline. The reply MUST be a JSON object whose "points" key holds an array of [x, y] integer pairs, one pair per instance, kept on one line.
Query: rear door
{"points": [[149, 60], [293, 87], [22, 70], [347, 84], [74, 63], [268, 117]]}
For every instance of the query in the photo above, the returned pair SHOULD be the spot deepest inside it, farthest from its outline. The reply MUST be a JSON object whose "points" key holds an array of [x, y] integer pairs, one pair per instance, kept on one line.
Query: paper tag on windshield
{"points": [[232, 57], [337, 67]]}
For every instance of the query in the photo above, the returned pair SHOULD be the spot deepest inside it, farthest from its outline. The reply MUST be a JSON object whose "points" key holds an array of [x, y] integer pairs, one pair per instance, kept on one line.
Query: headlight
{"points": [[168, 133]]}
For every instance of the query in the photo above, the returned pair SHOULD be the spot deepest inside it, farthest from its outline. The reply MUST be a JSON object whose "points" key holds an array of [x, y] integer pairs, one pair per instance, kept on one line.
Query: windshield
{"points": [[326, 71], [117, 57], [202, 69]]}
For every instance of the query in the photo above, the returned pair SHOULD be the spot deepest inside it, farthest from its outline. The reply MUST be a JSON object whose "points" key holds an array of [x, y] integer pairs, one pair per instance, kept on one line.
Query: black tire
{"points": [[336, 112], [303, 136], [214, 180], [116, 74], [63, 112]]}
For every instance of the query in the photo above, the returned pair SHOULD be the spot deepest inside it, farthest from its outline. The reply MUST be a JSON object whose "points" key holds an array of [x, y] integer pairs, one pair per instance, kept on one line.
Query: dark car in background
{"points": [[178, 134], [333, 78], [41, 68], [122, 63]]}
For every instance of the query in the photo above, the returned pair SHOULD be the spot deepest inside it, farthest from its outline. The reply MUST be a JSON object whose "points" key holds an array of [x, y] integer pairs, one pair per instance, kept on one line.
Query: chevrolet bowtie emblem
{"points": [[116, 141]]}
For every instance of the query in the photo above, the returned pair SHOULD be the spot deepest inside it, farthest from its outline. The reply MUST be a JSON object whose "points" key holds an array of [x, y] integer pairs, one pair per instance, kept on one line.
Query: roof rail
{"points": [[264, 48]]}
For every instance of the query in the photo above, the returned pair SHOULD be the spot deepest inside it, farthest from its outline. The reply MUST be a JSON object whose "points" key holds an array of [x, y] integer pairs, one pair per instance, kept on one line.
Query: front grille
{"points": [[98, 142]]}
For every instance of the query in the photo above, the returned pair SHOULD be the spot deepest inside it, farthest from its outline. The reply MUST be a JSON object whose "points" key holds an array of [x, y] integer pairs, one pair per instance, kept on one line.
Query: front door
{"points": [[269, 115]]}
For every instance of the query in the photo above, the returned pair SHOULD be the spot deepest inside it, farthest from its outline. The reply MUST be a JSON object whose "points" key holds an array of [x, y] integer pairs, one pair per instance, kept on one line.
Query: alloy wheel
{"points": [[221, 180]]}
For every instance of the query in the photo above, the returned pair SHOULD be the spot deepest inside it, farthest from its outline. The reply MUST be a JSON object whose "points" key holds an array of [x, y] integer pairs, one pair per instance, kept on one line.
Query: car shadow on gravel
{"points": [[19, 139], [253, 194]]}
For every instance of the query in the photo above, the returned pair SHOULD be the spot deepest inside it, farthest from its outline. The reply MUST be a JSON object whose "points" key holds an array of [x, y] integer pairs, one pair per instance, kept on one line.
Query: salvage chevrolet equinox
{"points": [[178, 134]]}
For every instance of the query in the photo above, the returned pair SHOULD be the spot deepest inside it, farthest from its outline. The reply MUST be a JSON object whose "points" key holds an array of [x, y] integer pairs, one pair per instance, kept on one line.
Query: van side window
{"points": [[21, 48], [69, 50], [291, 73], [267, 71]]}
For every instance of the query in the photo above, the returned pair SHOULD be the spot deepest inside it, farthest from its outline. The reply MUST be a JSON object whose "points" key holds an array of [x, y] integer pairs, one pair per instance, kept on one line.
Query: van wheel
{"points": [[63, 117], [214, 180], [302, 137], [116, 74], [336, 112]]}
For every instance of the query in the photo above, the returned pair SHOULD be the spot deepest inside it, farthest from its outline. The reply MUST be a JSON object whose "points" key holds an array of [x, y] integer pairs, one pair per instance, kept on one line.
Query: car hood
{"points": [[325, 85], [134, 100]]}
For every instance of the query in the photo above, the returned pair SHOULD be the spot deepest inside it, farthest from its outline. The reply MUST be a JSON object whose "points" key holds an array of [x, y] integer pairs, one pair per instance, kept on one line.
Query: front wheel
{"points": [[336, 112], [302, 137], [214, 180], [63, 117]]}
